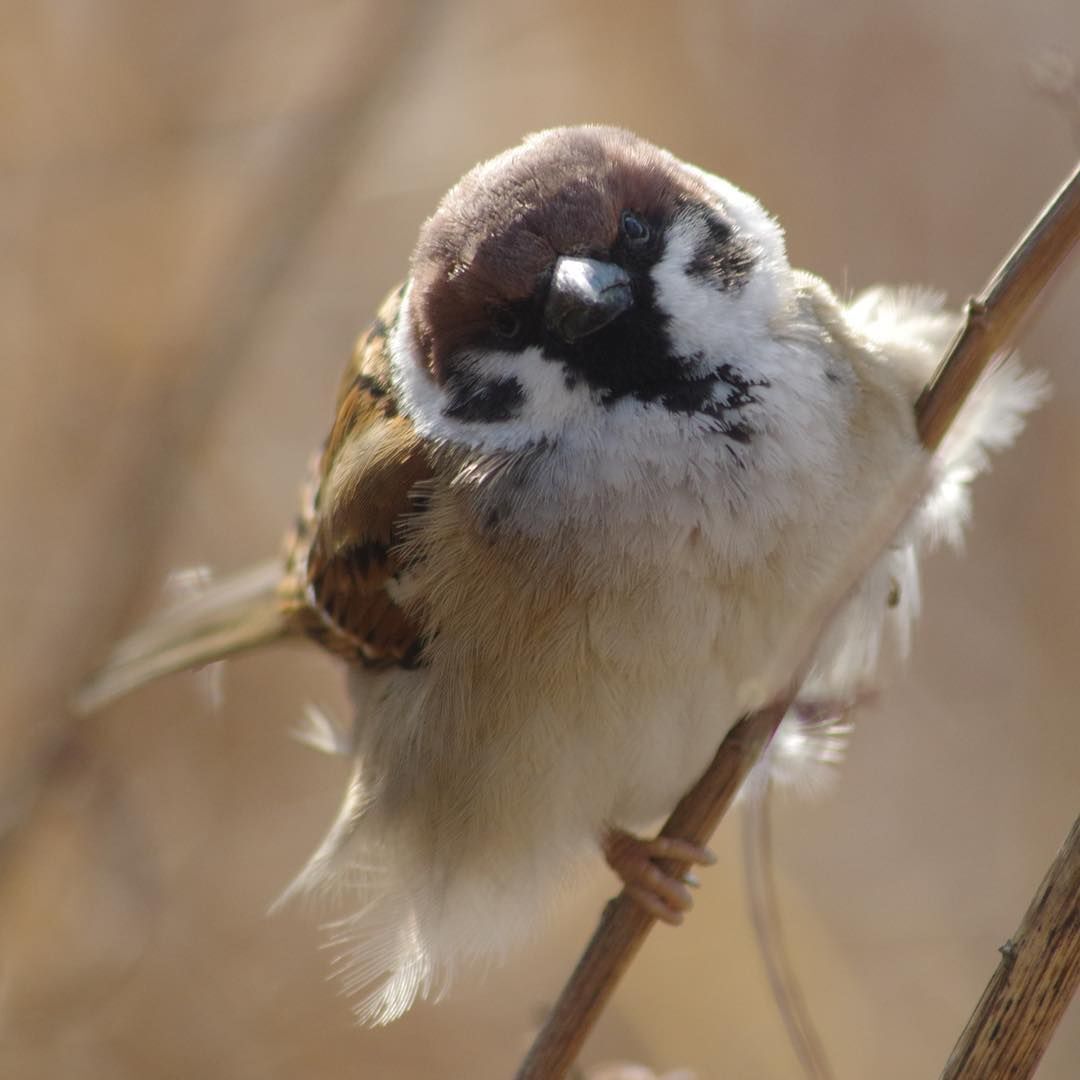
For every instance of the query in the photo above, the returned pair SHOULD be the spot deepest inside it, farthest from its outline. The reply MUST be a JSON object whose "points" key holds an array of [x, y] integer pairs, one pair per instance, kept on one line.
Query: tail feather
{"points": [[394, 947], [237, 613], [384, 960]]}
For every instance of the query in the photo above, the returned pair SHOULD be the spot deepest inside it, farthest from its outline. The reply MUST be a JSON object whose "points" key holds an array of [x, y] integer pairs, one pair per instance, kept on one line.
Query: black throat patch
{"points": [[635, 357]]}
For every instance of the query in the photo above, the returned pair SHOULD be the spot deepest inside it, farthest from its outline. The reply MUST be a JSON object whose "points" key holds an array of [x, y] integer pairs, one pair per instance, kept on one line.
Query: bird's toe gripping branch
{"points": [[660, 890]]}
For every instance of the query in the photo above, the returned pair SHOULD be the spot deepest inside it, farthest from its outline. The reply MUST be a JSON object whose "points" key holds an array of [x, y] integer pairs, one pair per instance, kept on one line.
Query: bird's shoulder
{"points": [[345, 552]]}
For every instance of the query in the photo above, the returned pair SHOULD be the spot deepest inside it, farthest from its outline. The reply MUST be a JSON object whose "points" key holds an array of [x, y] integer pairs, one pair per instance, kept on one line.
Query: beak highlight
{"points": [[585, 295]]}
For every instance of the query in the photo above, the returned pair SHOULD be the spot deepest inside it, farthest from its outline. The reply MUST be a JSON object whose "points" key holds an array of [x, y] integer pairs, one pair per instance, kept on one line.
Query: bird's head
{"points": [[590, 296]]}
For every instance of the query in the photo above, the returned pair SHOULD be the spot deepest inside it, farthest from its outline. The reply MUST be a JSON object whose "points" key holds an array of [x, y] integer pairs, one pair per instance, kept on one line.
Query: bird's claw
{"points": [[662, 894]]}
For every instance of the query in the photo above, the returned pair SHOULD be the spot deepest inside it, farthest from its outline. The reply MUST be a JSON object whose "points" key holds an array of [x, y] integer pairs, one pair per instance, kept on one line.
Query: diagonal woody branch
{"points": [[992, 319], [1036, 979]]}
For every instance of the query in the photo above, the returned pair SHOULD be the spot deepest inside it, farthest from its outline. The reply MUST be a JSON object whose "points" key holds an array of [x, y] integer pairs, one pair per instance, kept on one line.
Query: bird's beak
{"points": [[585, 295]]}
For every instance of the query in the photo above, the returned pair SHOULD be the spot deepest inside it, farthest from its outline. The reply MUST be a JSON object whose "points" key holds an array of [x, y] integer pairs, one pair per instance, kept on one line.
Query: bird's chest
{"points": [[614, 687], [663, 683]]}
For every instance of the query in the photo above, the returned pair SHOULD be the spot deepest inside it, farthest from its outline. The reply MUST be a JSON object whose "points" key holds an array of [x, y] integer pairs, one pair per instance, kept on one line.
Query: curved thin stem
{"points": [[768, 929]]}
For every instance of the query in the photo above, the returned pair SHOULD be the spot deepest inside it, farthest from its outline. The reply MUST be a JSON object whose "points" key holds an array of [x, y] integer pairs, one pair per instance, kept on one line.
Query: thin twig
{"points": [[991, 320], [1033, 984], [768, 929], [993, 317]]}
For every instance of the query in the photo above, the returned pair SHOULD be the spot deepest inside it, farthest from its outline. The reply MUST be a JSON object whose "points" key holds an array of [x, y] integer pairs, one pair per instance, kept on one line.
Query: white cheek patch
{"points": [[734, 327], [540, 402], [725, 326], [696, 309], [748, 216], [551, 401]]}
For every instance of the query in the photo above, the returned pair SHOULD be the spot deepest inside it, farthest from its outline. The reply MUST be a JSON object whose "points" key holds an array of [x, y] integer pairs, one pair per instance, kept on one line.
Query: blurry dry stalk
{"points": [[1054, 75], [991, 320], [177, 401], [1033, 984]]}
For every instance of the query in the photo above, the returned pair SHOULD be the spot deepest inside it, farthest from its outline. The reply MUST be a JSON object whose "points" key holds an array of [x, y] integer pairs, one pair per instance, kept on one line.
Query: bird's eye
{"points": [[505, 324], [634, 228]]}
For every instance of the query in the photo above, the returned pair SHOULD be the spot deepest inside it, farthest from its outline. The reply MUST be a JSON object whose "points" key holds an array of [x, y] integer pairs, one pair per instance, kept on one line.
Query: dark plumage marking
{"points": [[363, 557], [493, 519], [725, 260], [742, 388], [414, 657], [691, 396], [737, 430], [379, 392], [379, 327], [344, 555], [485, 401], [741, 392], [697, 396], [369, 385]]}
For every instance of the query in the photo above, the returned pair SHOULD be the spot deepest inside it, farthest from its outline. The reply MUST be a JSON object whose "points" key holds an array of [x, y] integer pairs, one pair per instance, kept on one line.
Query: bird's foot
{"points": [[661, 893]]}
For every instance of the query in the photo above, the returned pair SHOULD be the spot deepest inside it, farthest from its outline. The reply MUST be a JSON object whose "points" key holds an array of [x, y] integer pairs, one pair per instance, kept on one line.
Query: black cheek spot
{"points": [[483, 401], [724, 259]]}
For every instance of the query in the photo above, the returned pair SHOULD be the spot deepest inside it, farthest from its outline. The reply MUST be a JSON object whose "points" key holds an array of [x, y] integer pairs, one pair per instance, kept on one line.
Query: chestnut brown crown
{"points": [[498, 232]]}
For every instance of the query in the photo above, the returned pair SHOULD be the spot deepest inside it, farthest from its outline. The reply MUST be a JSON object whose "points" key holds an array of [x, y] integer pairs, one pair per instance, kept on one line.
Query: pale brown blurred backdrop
{"points": [[200, 205]]}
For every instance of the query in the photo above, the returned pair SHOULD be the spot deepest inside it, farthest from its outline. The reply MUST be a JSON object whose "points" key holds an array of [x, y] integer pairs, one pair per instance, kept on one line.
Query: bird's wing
{"points": [[345, 551]]}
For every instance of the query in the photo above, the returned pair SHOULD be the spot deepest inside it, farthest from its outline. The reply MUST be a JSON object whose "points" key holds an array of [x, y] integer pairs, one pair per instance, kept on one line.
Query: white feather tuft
{"points": [[807, 749], [321, 733], [990, 420], [912, 330], [384, 959]]}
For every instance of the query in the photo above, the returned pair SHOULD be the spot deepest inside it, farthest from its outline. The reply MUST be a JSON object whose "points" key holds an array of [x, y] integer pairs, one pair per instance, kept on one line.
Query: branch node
{"points": [[1008, 952]]}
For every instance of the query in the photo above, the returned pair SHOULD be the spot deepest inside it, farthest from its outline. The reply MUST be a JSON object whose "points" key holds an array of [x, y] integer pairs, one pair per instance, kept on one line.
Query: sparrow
{"points": [[587, 463]]}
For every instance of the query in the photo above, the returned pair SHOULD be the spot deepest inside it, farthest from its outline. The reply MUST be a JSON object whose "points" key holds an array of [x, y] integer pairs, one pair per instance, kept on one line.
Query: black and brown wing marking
{"points": [[344, 555]]}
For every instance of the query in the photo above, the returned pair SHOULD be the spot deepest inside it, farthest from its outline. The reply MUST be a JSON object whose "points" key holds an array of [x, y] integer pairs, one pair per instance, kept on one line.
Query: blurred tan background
{"points": [[200, 206]]}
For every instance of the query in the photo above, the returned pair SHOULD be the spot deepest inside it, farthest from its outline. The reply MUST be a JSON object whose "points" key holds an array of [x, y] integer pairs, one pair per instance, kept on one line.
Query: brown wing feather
{"points": [[345, 550]]}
